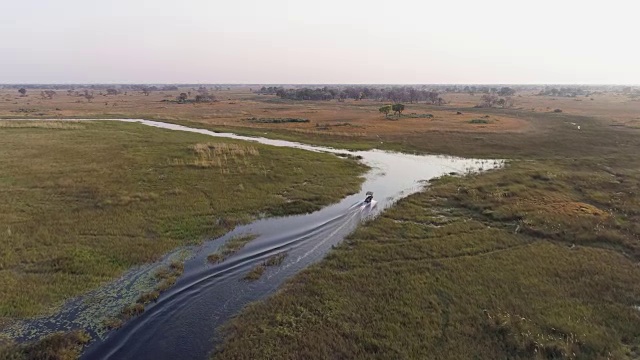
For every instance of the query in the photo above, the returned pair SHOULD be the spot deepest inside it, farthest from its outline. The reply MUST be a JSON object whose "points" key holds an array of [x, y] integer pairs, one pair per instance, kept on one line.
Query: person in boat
{"points": [[369, 197]]}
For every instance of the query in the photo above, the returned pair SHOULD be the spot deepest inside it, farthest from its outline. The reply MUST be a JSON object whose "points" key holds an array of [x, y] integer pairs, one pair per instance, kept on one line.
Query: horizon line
{"points": [[304, 83]]}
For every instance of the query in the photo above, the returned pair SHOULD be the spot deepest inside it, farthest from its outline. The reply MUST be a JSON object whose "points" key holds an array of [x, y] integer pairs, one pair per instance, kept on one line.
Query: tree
{"points": [[112, 92], [508, 102], [48, 94], [506, 91], [22, 91], [397, 109], [204, 98], [182, 97], [432, 96], [488, 100], [203, 91], [385, 110], [413, 95]]}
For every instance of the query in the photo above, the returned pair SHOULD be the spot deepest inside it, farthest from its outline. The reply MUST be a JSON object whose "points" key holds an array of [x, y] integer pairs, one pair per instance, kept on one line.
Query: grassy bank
{"points": [[83, 202], [536, 260]]}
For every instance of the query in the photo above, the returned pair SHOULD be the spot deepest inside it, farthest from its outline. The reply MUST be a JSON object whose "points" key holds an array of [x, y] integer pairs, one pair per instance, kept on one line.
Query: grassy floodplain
{"points": [[536, 260], [82, 202]]}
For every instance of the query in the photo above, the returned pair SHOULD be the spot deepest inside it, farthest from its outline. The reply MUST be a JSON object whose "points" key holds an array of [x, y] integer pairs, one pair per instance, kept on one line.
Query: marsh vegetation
{"points": [[259, 269], [230, 247]]}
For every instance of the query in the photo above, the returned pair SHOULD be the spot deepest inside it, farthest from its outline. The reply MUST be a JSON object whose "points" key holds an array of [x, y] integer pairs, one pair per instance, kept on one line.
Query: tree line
{"points": [[564, 92], [395, 94]]}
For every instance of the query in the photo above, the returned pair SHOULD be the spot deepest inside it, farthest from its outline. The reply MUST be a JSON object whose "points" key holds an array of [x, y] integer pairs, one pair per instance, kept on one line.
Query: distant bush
{"points": [[557, 110], [397, 108], [276, 120], [564, 92], [418, 116], [491, 100], [204, 98], [478, 121]]}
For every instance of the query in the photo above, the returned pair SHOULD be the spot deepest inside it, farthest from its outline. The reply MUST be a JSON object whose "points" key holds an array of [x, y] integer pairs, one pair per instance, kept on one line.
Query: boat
{"points": [[369, 197]]}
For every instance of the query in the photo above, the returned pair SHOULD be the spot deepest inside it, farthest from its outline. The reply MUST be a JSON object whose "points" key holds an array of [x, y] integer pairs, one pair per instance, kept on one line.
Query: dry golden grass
{"points": [[353, 124], [613, 108], [219, 155], [350, 118], [238, 104]]}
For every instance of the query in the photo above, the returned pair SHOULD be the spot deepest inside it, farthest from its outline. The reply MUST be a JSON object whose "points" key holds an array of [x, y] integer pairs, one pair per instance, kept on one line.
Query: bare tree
{"points": [[506, 91], [88, 95], [204, 98], [47, 94], [414, 95], [488, 100], [432, 96]]}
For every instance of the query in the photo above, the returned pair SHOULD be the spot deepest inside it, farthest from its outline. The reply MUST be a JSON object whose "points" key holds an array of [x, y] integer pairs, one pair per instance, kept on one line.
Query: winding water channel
{"points": [[183, 322]]}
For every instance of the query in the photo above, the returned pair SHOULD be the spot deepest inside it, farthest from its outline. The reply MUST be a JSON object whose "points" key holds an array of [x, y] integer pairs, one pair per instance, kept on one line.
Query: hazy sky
{"points": [[327, 41]]}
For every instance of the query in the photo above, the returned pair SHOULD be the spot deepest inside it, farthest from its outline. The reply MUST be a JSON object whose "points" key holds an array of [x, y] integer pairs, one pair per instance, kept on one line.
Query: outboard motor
{"points": [[369, 197]]}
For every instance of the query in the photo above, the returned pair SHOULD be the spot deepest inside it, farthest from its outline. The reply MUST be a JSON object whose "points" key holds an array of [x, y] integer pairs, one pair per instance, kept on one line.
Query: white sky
{"points": [[321, 41]]}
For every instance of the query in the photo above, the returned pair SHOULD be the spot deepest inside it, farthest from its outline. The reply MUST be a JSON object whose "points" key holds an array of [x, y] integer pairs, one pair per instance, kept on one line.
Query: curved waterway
{"points": [[183, 322]]}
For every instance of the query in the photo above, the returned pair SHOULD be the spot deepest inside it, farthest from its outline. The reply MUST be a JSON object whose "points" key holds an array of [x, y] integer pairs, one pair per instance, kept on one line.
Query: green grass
{"points": [[256, 272], [536, 260], [230, 247], [56, 346], [276, 259], [83, 202]]}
